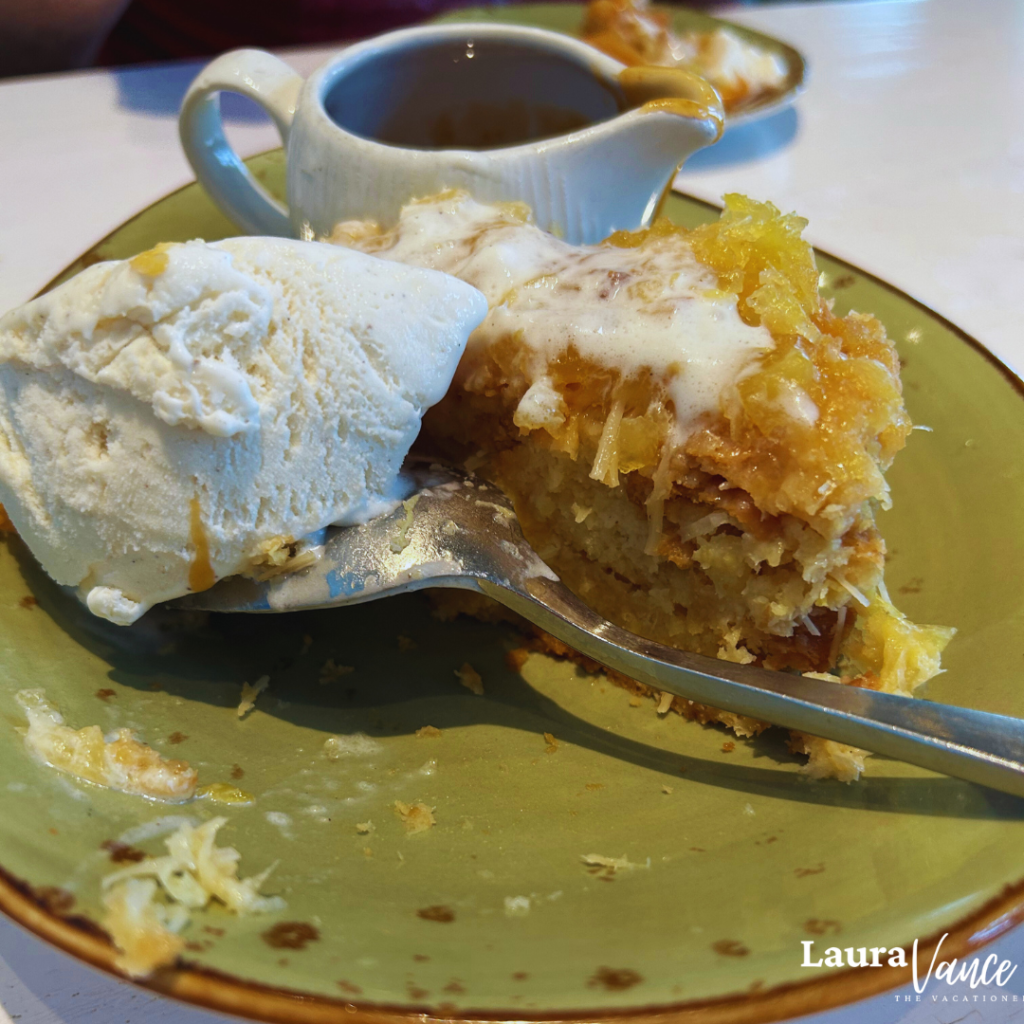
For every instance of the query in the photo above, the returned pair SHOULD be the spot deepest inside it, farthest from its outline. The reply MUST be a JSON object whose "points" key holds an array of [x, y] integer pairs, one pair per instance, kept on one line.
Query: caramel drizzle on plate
{"points": [[200, 573]]}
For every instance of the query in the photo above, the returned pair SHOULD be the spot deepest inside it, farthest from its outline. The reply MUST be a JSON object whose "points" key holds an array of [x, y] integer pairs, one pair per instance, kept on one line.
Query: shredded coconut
{"points": [[609, 866], [470, 679], [250, 693], [193, 873]]}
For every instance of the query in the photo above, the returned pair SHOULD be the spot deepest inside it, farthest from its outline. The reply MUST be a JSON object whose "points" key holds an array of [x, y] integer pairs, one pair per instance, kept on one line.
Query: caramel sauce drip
{"points": [[200, 573], [674, 90], [152, 262], [684, 108]]}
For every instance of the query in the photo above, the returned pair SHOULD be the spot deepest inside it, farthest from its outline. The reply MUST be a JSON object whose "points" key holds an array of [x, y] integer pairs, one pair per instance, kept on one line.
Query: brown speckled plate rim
{"points": [[83, 939], [214, 990]]}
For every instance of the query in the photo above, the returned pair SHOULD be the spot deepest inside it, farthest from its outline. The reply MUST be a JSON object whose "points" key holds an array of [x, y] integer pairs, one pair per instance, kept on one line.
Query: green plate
{"points": [[567, 18], [740, 857]]}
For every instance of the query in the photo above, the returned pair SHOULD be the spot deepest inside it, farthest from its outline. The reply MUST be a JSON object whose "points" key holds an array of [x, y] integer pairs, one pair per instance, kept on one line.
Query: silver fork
{"points": [[458, 531]]}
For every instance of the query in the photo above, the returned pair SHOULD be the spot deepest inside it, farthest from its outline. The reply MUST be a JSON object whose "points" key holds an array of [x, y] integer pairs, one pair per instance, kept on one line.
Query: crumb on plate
{"points": [[123, 763], [224, 793], [417, 817], [606, 867], [250, 693], [470, 679], [356, 744], [331, 671]]}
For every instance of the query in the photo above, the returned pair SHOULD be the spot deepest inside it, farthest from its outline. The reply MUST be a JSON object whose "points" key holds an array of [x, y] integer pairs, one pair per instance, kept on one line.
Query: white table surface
{"points": [[906, 154]]}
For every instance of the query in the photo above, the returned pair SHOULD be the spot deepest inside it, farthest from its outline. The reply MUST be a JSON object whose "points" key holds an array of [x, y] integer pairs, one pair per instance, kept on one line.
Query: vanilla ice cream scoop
{"points": [[169, 420]]}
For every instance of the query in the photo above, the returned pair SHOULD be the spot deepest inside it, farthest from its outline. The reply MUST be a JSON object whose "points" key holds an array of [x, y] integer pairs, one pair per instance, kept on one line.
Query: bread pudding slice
{"points": [[692, 439]]}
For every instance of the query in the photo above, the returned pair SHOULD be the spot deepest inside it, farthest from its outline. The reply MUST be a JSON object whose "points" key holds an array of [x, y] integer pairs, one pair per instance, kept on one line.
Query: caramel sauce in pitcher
{"points": [[490, 94]]}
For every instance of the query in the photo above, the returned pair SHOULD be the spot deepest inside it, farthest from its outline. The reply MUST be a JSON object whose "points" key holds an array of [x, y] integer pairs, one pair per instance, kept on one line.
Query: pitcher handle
{"points": [[275, 87]]}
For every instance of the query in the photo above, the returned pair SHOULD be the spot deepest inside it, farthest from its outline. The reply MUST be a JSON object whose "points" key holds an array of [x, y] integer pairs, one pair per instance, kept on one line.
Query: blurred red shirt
{"points": [[175, 29]]}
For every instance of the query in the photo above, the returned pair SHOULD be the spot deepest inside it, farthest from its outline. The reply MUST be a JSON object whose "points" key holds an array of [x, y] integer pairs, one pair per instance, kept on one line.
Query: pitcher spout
{"points": [[673, 91], [626, 165]]}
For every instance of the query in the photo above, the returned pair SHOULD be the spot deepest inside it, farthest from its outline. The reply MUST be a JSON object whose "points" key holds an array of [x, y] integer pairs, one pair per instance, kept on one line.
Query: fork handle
{"points": [[973, 745]]}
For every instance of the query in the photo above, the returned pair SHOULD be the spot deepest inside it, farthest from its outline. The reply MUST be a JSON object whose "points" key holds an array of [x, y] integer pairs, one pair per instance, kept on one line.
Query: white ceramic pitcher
{"points": [[386, 121]]}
